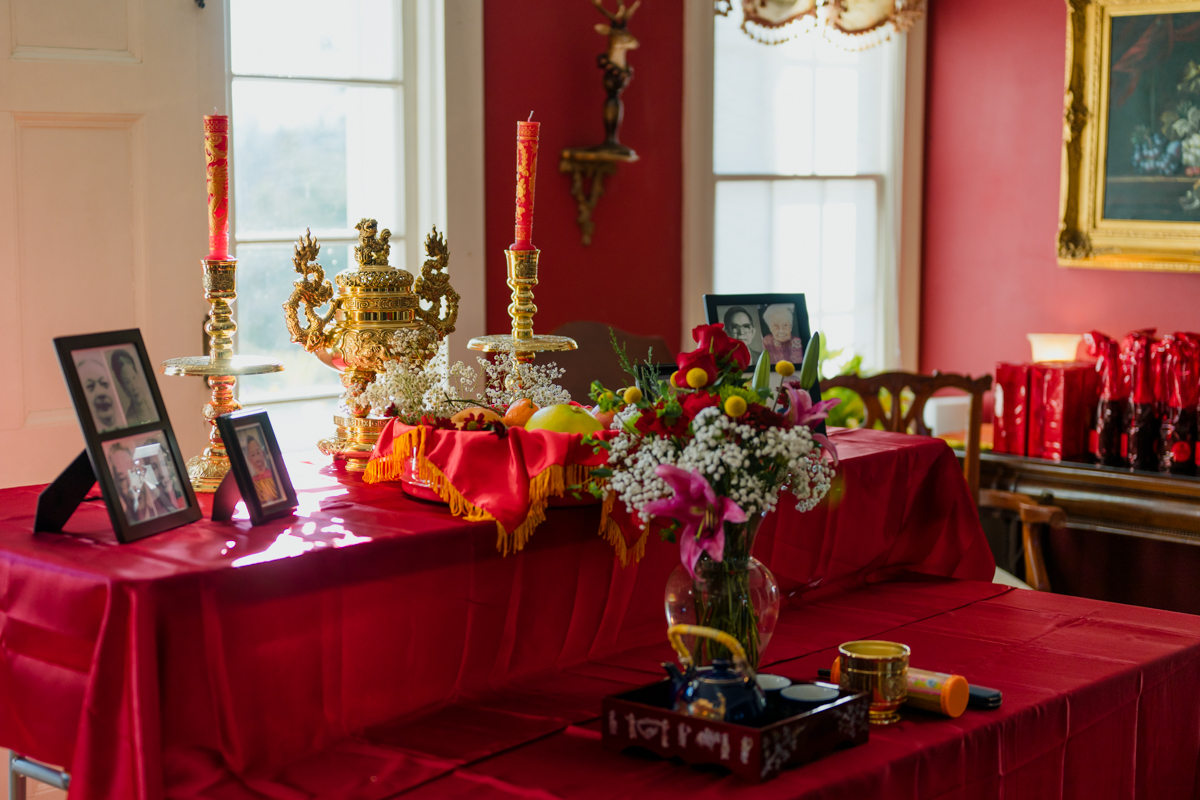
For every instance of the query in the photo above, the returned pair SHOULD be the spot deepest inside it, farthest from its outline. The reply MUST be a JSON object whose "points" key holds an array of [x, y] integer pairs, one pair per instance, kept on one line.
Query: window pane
{"points": [[742, 239], [313, 156], [265, 275], [315, 38], [798, 108], [816, 237]]}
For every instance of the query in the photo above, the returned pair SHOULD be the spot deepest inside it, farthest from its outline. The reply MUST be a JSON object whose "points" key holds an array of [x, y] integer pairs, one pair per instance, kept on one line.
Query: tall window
{"points": [[804, 137], [318, 142]]}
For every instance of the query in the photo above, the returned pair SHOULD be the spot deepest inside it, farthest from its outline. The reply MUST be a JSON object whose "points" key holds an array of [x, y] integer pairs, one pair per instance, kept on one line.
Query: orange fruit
{"points": [[519, 413], [605, 418]]}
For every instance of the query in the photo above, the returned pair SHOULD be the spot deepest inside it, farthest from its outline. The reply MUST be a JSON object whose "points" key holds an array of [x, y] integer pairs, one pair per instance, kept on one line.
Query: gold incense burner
{"points": [[372, 302]]}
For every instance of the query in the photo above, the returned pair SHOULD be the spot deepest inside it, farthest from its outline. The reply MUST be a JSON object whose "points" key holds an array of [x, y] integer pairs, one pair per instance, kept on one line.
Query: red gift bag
{"points": [[1179, 357], [1011, 392], [1061, 398], [1145, 416], [1109, 439]]}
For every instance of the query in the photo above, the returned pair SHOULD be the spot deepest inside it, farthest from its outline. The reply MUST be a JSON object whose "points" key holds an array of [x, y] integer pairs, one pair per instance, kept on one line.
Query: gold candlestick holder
{"points": [[220, 368], [523, 343]]}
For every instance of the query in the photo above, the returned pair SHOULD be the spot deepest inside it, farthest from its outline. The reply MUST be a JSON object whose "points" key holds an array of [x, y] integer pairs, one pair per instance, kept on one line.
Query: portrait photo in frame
{"points": [[130, 445], [1130, 190], [256, 464]]}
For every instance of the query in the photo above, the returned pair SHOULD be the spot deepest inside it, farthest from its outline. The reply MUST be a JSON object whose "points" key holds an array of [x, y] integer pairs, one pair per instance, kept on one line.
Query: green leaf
{"points": [[762, 372], [602, 472], [812, 354]]}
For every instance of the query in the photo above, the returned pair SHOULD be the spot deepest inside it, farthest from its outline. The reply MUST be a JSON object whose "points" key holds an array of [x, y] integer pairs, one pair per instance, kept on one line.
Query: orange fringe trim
{"points": [[552, 482], [612, 534]]}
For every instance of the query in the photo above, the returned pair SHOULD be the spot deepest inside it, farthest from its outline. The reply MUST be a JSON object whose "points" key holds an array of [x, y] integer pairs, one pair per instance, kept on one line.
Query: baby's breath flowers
{"points": [[419, 381]]}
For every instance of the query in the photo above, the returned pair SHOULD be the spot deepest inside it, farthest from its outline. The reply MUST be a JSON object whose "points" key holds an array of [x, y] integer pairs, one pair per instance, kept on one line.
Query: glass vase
{"points": [[738, 595]]}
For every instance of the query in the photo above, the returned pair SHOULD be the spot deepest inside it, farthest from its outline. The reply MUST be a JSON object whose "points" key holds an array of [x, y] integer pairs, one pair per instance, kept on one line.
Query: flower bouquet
{"points": [[703, 457]]}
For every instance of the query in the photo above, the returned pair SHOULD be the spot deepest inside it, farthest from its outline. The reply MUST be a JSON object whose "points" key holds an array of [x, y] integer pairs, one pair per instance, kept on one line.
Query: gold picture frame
{"points": [[1129, 197]]}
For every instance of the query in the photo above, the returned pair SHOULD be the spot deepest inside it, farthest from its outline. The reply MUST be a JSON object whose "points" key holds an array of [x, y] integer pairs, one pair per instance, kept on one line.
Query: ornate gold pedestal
{"points": [[354, 440], [220, 368], [523, 343]]}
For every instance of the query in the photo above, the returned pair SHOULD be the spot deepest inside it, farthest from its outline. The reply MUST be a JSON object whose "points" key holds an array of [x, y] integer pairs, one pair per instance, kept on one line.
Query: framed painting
{"points": [[1130, 192]]}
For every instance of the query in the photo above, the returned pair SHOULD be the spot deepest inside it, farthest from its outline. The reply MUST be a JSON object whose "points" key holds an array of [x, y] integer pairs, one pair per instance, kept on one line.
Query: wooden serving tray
{"points": [[642, 718]]}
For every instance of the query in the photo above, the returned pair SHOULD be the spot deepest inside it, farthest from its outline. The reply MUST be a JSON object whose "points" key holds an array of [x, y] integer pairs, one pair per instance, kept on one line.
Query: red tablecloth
{"points": [[401, 652]]}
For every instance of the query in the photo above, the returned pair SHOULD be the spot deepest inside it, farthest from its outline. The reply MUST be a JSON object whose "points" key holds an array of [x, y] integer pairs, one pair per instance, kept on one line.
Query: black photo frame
{"points": [[130, 445], [256, 464], [729, 308]]}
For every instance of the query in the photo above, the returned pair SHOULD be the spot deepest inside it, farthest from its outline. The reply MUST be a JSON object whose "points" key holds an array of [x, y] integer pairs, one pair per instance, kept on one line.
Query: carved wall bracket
{"points": [[588, 168]]}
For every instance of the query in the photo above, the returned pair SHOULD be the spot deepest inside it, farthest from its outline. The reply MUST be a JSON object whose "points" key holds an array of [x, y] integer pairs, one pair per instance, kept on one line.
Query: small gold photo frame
{"points": [[1130, 191]]}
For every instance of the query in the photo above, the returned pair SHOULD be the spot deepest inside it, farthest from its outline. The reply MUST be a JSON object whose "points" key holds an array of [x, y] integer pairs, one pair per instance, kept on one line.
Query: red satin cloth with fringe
{"points": [[373, 644], [506, 477]]}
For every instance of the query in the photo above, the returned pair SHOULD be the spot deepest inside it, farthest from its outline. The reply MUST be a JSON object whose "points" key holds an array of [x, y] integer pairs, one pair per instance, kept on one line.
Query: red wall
{"points": [[993, 150], [540, 55]]}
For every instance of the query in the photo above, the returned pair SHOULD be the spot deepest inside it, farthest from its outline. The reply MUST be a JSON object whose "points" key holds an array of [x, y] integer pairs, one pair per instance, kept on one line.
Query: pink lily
{"points": [[803, 411], [801, 408], [700, 513], [827, 446]]}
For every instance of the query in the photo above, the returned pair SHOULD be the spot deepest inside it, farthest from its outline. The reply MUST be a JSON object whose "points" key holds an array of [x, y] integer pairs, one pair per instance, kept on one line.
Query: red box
{"points": [[1011, 392], [1062, 401]]}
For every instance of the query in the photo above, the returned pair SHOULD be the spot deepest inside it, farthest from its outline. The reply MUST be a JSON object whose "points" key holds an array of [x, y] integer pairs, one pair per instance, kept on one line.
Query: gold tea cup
{"points": [[878, 667]]}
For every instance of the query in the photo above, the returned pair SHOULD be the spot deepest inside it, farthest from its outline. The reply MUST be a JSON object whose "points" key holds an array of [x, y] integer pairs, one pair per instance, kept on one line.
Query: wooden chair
{"points": [[899, 419], [595, 359], [1032, 515]]}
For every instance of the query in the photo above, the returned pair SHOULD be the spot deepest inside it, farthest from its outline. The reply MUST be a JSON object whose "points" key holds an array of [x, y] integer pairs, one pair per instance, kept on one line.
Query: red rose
{"points": [[762, 418], [649, 422], [1181, 452], [715, 340], [697, 359], [696, 402]]}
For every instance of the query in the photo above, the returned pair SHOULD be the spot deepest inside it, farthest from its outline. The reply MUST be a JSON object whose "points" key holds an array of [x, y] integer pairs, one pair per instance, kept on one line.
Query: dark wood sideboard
{"points": [[1131, 537]]}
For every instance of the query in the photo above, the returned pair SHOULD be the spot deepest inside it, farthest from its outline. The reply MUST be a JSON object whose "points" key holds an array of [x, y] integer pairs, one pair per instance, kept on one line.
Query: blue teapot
{"points": [[724, 692]]}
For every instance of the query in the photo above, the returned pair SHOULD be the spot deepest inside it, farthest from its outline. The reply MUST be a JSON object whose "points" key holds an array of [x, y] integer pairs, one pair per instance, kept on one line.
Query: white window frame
{"points": [[899, 214], [441, 154]]}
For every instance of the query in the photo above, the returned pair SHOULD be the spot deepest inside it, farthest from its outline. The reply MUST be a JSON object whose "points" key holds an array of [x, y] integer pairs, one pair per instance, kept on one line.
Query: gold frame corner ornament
{"points": [[1085, 238]]}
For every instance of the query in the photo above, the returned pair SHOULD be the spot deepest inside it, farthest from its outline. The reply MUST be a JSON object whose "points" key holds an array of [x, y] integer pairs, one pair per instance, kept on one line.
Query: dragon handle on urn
{"points": [[313, 292], [434, 286]]}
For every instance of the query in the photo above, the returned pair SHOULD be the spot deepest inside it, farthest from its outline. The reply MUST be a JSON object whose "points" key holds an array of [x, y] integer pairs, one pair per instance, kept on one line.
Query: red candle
{"points": [[527, 147], [216, 156]]}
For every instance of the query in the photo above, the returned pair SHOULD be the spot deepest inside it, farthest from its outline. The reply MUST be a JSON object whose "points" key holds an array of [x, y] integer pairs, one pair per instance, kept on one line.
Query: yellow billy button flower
{"points": [[735, 406], [632, 395], [696, 377], [608, 397], [785, 368]]}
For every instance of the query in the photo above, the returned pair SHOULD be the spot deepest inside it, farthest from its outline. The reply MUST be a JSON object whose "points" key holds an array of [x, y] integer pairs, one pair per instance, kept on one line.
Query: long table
{"points": [[375, 645]]}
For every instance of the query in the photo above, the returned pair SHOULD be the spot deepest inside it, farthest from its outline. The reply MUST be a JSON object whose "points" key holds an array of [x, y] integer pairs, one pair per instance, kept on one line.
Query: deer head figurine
{"points": [[620, 40]]}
